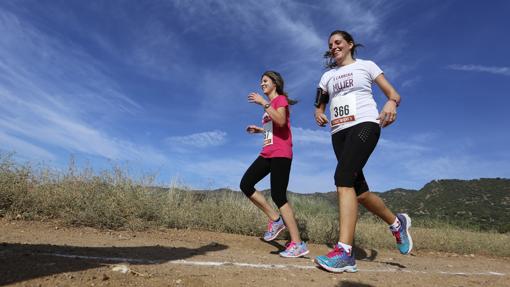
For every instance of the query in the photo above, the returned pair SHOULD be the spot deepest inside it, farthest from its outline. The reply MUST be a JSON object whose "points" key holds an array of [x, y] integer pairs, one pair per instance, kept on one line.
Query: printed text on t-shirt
{"points": [[342, 82]]}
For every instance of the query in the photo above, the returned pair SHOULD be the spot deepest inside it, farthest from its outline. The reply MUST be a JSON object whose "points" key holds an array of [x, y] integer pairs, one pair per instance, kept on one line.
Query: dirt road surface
{"points": [[46, 254]]}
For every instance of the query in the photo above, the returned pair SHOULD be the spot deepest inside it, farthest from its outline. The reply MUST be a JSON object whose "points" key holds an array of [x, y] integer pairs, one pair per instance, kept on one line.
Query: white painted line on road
{"points": [[255, 265]]}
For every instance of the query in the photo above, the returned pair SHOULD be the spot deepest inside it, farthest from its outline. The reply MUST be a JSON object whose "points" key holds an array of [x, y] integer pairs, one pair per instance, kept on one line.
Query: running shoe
{"points": [[293, 250], [338, 260], [273, 229], [402, 235]]}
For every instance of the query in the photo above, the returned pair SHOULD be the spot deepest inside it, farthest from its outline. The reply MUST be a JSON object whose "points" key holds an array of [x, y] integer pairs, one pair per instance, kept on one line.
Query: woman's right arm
{"points": [[321, 100], [388, 113], [320, 118]]}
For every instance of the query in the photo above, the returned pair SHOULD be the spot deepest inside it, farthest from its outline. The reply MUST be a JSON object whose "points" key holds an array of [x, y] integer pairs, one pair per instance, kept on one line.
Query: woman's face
{"points": [[339, 48], [267, 85]]}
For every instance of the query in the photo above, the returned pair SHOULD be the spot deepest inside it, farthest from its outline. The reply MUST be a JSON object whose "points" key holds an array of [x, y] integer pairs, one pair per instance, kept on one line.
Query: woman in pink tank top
{"points": [[275, 159]]}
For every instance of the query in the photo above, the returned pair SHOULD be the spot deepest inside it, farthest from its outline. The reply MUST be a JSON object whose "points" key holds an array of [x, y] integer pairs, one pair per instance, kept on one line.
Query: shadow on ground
{"points": [[370, 256], [21, 262], [353, 284], [280, 247], [360, 253]]}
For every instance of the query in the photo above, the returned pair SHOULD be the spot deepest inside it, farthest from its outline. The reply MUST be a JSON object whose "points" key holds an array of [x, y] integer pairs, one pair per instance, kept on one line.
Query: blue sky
{"points": [[161, 86]]}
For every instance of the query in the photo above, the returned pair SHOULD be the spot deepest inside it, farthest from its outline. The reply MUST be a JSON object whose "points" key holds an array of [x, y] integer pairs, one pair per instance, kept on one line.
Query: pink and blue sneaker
{"points": [[337, 260], [294, 250], [273, 229], [402, 235]]}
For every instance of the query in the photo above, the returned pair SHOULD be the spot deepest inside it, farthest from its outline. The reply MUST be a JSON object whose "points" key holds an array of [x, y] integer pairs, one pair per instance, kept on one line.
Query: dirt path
{"points": [[42, 254]]}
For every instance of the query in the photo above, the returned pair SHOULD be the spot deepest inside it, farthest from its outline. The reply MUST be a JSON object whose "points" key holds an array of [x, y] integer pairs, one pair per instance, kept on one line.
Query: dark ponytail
{"points": [[278, 81]]}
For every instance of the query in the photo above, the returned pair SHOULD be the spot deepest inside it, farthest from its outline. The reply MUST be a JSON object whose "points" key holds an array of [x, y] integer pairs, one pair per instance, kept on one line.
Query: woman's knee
{"points": [[246, 187], [362, 198], [279, 199]]}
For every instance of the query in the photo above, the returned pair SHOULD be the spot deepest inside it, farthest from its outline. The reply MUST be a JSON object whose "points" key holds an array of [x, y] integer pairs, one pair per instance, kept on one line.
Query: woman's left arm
{"points": [[388, 113], [278, 115]]}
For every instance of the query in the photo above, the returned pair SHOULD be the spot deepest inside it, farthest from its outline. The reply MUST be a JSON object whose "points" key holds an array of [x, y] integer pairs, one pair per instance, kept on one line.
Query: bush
{"points": [[114, 200]]}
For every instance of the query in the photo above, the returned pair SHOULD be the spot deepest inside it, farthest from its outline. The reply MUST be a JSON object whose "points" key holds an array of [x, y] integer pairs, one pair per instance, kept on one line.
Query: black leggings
{"points": [[353, 147], [279, 167]]}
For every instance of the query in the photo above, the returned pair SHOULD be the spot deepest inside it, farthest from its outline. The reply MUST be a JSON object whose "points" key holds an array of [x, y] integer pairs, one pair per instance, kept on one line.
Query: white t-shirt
{"points": [[350, 92]]}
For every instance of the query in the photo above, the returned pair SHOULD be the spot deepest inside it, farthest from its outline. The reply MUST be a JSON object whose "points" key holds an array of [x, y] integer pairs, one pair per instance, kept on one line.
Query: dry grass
{"points": [[113, 199], [372, 233]]}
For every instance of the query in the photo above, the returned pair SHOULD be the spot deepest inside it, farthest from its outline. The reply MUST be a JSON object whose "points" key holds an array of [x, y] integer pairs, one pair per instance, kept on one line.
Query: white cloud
{"points": [[52, 128], [198, 140], [54, 93], [309, 136], [24, 148], [505, 71], [402, 146], [214, 172], [359, 19], [33, 61], [411, 82], [253, 23]]}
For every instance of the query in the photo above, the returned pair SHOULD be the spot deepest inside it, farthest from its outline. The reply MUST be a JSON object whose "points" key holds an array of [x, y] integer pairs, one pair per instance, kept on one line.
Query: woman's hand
{"points": [[320, 118], [388, 114], [252, 129], [257, 99]]}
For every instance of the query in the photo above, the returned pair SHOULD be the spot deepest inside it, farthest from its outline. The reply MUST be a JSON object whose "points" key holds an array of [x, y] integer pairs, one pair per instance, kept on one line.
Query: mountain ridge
{"points": [[477, 203]]}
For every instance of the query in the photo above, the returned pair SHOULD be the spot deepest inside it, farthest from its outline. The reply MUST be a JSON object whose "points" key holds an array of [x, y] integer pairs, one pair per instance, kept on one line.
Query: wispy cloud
{"points": [[505, 71], [403, 146], [198, 140], [368, 18], [55, 93], [248, 18], [224, 172], [50, 127], [309, 136], [407, 83], [254, 27], [24, 149]]}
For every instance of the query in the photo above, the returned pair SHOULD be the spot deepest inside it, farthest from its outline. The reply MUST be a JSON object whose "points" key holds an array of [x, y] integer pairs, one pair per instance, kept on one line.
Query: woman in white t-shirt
{"points": [[355, 129]]}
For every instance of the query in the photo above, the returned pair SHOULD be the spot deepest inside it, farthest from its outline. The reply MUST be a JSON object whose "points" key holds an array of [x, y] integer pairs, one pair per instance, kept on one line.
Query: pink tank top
{"points": [[277, 140]]}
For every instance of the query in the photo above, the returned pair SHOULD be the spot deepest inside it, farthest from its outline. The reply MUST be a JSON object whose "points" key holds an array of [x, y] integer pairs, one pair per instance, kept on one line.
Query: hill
{"points": [[481, 203], [475, 204]]}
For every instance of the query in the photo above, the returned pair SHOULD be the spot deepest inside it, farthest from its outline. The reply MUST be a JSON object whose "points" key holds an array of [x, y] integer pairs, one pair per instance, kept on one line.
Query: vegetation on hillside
{"points": [[112, 199]]}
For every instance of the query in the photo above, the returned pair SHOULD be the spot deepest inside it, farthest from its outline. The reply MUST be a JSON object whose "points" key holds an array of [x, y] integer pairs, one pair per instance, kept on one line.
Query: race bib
{"points": [[343, 109], [268, 133]]}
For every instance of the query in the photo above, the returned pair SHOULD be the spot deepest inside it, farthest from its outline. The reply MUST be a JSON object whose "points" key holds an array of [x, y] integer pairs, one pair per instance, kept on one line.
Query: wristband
{"points": [[396, 103], [266, 106]]}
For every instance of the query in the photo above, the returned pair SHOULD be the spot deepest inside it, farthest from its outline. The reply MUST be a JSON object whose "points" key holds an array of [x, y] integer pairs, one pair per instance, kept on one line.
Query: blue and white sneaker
{"points": [[273, 229], [337, 260], [402, 235], [294, 250]]}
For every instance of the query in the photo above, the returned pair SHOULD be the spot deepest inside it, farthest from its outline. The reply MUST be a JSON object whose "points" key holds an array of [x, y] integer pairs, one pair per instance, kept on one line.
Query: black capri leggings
{"points": [[353, 147], [279, 167]]}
